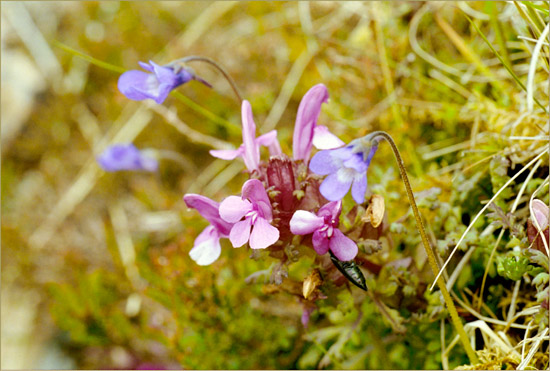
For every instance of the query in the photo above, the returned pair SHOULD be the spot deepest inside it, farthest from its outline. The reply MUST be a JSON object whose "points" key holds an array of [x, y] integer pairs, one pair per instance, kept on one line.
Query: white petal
{"points": [[324, 139], [304, 222]]}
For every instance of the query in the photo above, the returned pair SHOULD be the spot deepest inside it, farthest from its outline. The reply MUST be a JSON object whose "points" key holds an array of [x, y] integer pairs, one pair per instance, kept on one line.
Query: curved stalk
{"points": [[431, 256], [195, 58]]}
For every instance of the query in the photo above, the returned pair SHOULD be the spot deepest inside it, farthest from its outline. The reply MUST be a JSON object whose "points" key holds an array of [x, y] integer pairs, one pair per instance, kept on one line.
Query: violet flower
{"points": [[326, 235], [306, 130], [206, 248], [346, 167], [126, 157], [156, 85], [250, 149], [250, 211]]}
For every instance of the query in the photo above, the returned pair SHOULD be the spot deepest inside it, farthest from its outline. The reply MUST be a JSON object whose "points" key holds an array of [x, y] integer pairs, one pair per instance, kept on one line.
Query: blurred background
{"points": [[95, 266]]}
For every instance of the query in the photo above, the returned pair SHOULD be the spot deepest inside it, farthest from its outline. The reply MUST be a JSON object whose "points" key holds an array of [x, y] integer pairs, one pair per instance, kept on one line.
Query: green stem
{"points": [[431, 256]]}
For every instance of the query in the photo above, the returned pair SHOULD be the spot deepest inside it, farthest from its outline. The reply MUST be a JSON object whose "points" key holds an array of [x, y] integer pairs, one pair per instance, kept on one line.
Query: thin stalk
{"points": [[431, 256], [195, 58]]}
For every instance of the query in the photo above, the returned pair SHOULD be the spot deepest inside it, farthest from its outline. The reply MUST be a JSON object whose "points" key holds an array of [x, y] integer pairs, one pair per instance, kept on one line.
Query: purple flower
{"points": [[126, 157], [139, 85], [206, 248], [306, 130], [250, 211], [306, 314], [250, 149], [346, 167], [326, 234]]}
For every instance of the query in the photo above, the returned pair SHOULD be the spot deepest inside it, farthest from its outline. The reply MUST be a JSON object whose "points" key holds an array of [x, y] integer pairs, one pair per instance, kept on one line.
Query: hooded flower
{"points": [[537, 225], [206, 248], [540, 213], [156, 85], [126, 157], [250, 149], [326, 235], [306, 130], [250, 211], [346, 167]]}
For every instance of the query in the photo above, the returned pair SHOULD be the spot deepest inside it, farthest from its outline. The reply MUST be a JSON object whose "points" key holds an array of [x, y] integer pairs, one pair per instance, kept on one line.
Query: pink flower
{"points": [[251, 211], [250, 149], [306, 130], [326, 234], [540, 213], [206, 248]]}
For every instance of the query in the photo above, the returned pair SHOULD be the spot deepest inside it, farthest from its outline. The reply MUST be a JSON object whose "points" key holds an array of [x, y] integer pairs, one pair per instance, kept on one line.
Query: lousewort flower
{"points": [[126, 157], [156, 85], [250, 211], [206, 248], [250, 149], [346, 167], [537, 225], [306, 130], [326, 235], [541, 213]]}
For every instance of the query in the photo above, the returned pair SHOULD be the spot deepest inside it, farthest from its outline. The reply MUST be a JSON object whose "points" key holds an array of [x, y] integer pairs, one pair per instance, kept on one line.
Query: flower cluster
{"points": [[265, 221], [286, 203]]}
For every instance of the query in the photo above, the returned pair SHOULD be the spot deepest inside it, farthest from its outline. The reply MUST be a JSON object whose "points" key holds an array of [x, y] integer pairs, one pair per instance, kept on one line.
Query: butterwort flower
{"points": [[126, 157], [346, 167], [306, 130], [252, 215], [206, 248], [324, 226], [156, 85], [250, 149]]}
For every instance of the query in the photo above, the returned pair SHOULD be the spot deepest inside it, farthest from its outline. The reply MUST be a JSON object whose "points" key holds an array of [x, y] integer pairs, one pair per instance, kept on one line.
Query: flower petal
{"points": [[270, 141], [332, 209], [371, 154], [227, 154], [162, 92], [165, 75], [251, 152], [336, 185], [126, 157], [541, 213], [329, 161], [359, 187], [254, 190], [320, 242], [324, 139], [263, 234], [209, 211], [356, 163], [233, 208], [146, 66], [342, 247], [207, 247], [304, 222], [306, 119], [240, 232], [133, 84]]}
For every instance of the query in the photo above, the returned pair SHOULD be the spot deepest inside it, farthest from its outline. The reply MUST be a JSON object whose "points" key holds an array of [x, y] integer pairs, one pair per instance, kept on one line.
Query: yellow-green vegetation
{"points": [[462, 87]]}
